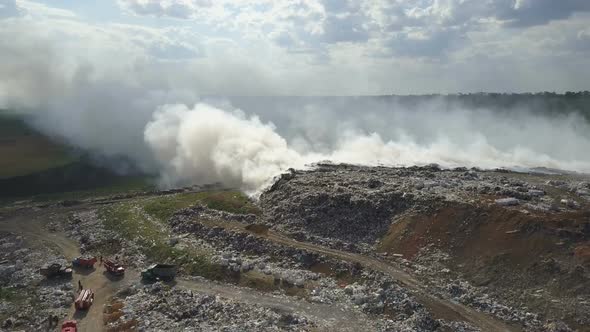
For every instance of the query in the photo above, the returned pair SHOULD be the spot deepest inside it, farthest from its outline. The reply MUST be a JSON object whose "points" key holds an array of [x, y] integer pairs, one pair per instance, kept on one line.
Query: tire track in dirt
{"points": [[340, 319], [443, 308], [31, 227]]}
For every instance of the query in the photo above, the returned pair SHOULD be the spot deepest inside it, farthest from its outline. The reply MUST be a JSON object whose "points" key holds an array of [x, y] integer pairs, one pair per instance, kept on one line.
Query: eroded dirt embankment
{"points": [[519, 239], [532, 259]]}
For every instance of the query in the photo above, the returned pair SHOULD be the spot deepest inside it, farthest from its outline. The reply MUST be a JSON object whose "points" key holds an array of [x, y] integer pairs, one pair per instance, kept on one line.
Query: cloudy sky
{"points": [[296, 47], [159, 81]]}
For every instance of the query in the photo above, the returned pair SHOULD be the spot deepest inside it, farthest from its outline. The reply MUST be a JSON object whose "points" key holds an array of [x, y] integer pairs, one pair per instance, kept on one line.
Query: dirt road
{"points": [[32, 227], [341, 319], [443, 308]]}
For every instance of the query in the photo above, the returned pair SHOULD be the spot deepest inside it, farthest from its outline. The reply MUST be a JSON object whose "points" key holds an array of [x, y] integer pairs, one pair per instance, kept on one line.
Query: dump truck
{"points": [[114, 267], [84, 300], [55, 270], [84, 261], [69, 326], [156, 272]]}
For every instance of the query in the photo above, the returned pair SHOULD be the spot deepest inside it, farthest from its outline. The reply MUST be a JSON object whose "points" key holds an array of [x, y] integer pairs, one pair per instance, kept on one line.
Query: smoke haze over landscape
{"points": [[152, 103], [295, 165], [238, 148]]}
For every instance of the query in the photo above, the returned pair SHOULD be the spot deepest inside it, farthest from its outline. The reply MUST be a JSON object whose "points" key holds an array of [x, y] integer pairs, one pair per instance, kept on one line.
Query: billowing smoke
{"points": [[101, 88], [244, 142], [208, 144]]}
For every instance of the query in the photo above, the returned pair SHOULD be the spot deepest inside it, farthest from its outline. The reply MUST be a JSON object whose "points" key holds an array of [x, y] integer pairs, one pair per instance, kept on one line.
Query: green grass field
{"points": [[34, 167], [24, 151], [143, 221], [231, 201]]}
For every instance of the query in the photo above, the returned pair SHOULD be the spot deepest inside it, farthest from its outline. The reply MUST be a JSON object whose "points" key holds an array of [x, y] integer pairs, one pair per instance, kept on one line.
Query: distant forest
{"points": [[543, 102]]}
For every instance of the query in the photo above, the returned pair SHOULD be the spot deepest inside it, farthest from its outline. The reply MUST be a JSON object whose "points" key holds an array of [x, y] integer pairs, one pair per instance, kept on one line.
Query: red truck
{"points": [[114, 267], [69, 326], [84, 261], [84, 299]]}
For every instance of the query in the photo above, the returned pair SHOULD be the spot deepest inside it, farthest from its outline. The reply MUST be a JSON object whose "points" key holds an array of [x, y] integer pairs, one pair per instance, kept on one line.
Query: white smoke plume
{"points": [[99, 88], [209, 144], [206, 144]]}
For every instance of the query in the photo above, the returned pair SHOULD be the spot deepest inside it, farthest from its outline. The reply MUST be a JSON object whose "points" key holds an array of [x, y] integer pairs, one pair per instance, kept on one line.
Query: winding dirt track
{"points": [[338, 318], [31, 226], [443, 308]]}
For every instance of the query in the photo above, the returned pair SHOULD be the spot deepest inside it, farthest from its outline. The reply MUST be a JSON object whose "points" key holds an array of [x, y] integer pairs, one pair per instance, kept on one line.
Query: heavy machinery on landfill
{"points": [[84, 261], [114, 267], [55, 270], [156, 272], [69, 326], [84, 300]]}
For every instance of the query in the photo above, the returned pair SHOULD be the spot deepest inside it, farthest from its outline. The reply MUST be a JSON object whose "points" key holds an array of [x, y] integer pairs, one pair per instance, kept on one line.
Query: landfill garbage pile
{"points": [[27, 298], [160, 308], [348, 205]]}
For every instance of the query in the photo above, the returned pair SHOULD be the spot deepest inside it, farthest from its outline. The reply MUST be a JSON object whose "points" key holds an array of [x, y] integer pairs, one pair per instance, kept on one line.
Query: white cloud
{"points": [[522, 13], [97, 82], [182, 9], [262, 47], [8, 8], [426, 28], [37, 10]]}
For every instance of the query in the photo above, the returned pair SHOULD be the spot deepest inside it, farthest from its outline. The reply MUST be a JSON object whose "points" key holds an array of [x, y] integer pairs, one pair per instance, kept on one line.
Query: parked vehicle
{"points": [[114, 267], [165, 272], [69, 326], [55, 270], [84, 261], [84, 300]]}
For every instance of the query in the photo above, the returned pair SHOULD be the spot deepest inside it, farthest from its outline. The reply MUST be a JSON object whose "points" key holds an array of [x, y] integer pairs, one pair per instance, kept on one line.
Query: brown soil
{"points": [[505, 249], [258, 229], [582, 253]]}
